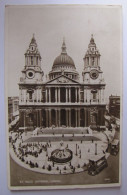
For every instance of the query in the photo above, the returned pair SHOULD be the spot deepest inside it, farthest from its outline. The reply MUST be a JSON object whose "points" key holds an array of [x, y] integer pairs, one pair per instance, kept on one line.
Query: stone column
{"points": [[40, 95], [79, 93], [46, 95], [66, 94], [69, 94], [56, 95], [59, 94], [37, 94], [75, 94], [49, 95], [24, 95], [100, 95], [20, 95]]}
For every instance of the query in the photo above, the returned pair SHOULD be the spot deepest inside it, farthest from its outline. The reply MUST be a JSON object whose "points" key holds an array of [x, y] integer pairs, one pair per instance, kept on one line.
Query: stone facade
{"points": [[61, 101]]}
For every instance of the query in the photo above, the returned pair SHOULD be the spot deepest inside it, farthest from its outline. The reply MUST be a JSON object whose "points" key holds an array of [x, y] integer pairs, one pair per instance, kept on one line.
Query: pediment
{"points": [[62, 80]]}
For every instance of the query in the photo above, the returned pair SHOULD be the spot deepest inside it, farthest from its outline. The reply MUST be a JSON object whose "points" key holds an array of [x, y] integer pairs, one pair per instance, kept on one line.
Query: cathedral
{"points": [[62, 100]]}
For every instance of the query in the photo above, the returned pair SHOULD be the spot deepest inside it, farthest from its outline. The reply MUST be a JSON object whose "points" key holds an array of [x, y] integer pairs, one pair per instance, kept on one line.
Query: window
{"points": [[87, 60], [94, 96], [32, 61], [30, 95], [37, 60], [93, 61], [30, 74]]}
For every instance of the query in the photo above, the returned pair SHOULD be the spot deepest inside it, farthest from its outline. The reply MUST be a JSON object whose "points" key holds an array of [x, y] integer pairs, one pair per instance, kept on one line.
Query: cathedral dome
{"points": [[64, 58], [63, 64]]}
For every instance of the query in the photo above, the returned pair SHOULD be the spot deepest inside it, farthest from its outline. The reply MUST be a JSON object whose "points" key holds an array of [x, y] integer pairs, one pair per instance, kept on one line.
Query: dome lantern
{"points": [[63, 47]]}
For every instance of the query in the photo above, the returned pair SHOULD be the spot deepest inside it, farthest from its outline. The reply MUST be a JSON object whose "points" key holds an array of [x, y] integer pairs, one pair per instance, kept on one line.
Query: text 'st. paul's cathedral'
{"points": [[62, 101]]}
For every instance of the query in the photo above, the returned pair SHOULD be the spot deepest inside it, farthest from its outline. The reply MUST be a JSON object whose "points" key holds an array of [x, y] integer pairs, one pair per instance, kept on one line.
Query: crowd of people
{"points": [[26, 152]]}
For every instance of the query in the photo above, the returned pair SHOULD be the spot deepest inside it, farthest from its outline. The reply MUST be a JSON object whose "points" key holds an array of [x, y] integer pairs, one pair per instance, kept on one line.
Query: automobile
{"points": [[97, 164], [115, 147]]}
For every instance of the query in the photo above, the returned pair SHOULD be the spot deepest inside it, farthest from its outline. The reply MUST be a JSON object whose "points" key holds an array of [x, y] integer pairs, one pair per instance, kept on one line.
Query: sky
{"points": [[76, 23]]}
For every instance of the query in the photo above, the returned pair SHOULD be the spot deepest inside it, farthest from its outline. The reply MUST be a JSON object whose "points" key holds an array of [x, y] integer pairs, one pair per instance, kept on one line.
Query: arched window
{"points": [[37, 60], [30, 95], [88, 60], [30, 92], [93, 61], [32, 60], [94, 96]]}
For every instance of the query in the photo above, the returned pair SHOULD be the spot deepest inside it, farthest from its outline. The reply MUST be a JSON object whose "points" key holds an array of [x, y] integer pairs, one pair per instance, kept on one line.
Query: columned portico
{"points": [[63, 94]]}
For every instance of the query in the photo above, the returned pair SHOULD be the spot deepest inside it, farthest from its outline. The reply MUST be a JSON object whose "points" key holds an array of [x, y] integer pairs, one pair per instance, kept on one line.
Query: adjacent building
{"points": [[13, 107], [61, 101], [114, 106]]}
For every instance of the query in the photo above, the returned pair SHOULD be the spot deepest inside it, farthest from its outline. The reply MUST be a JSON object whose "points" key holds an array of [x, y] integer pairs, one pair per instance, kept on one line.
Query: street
{"points": [[23, 177]]}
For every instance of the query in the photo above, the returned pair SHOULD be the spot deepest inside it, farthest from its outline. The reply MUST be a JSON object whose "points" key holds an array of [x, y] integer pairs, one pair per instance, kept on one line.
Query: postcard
{"points": [[63, 70]]}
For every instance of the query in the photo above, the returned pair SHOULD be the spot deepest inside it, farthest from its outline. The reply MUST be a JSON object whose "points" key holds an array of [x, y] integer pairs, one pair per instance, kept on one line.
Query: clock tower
{"points": [[94, 85], [32, 70], [30, 87]]}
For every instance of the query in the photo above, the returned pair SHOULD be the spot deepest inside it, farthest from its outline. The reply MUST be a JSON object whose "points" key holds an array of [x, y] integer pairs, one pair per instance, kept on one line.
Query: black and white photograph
{"points": [[63, 70]]}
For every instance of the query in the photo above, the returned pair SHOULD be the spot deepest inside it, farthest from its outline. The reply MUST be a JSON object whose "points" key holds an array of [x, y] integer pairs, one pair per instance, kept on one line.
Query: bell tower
{"points": [[92, 71], [94, 85], [32, 75], [92, 57], [30, 88], [32, 71]]}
